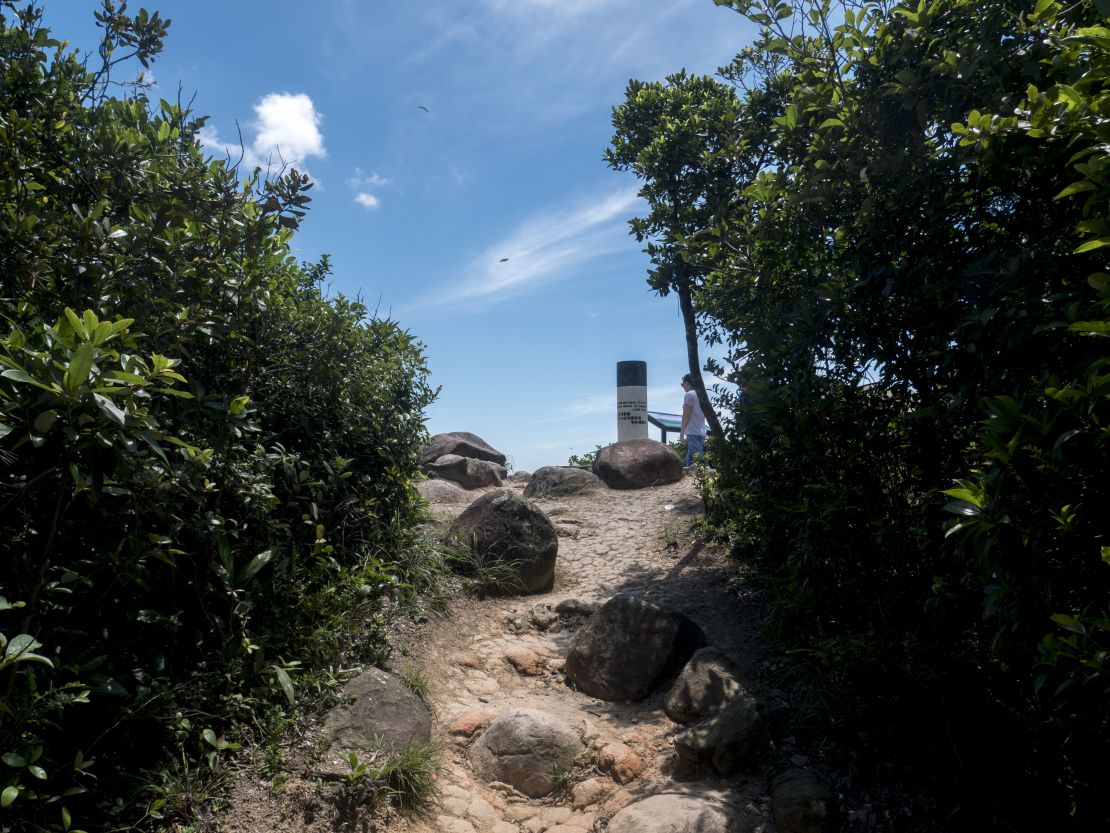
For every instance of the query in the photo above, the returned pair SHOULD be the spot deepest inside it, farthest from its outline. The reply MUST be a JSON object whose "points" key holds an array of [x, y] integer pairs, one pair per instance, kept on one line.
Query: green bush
{"points": [[205, 461], [908, 277]]}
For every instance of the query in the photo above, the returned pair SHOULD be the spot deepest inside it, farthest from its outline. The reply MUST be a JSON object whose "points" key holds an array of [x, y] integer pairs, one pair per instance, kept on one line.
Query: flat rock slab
{"points": [[637, 464], [629, 647], [679, 814], [464, 444], [383, 713], [557, 481], [510, 529], [527, 749], [707, 683]]}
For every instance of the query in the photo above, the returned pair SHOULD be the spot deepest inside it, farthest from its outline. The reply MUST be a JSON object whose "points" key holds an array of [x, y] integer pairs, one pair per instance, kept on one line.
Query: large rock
{"points": [[508, 528], [442, 491], [383, 712], [679, 814], [728, 741], [707, 683], [466, 471], [802, 803], [556, 481], [637, 464], [464, 444], [528, 749], [629, 647]]}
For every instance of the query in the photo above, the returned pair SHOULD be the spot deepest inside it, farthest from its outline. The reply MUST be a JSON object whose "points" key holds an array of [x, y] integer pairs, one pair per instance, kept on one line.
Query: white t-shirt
{"points": [[696, 425]]}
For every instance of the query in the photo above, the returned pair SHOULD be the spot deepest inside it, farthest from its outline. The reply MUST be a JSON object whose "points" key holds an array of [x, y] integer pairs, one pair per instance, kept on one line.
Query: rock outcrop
{"points": [[466, 471], [629, 647], [464, 444], [527, 749], [507, 528], [637, 464], [557, 481]]}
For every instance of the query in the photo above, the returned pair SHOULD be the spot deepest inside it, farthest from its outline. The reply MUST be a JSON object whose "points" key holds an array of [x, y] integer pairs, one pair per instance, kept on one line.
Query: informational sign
{"points": [[632, 421]]}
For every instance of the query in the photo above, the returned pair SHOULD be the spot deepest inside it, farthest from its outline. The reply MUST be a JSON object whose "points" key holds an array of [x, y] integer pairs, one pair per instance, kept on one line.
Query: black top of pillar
{"points": [[631, 374]]}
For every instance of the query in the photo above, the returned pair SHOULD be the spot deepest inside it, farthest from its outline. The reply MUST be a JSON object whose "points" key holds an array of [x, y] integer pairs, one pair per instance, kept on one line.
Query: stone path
{"points": [[500, 654]]}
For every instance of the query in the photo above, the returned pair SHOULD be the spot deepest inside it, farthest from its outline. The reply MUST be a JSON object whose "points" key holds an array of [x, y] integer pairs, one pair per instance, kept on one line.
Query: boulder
{"points": [[802, 803], [629, 647], [466, 471], [442, 491], [707, 683], [382, 711], [728, 741], [519, 476], [679, 814], [527, 749], [557, 481], [508, 528], [464, 444], [637, 464]]}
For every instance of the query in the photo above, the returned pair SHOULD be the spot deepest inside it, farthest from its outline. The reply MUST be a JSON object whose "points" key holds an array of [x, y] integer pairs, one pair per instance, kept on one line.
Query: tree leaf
{"points": [[256, 564], [9, 795], [110, 410], [285, 682], [79, 366]]}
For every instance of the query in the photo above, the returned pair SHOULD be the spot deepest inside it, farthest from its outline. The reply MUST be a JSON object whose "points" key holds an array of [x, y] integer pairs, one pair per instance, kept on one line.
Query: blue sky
{"points": [[417, 208]]}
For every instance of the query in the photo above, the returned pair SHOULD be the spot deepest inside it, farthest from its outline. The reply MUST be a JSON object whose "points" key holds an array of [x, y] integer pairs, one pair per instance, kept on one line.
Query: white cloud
{"points": [[547, 247], [288, 128], [367, 200], [286, 132], [664, 399]]}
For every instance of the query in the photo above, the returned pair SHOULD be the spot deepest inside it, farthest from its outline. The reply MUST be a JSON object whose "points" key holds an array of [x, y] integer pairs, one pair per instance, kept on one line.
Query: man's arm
{"points": [[687, 410]]}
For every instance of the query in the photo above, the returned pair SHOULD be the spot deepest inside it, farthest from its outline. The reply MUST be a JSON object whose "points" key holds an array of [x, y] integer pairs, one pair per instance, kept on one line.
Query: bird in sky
{"points": [[422, 107], [502, 260]]}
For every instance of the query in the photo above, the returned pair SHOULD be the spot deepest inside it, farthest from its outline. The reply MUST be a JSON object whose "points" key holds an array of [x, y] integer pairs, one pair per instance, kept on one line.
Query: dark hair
{"points": [[688, 379]]}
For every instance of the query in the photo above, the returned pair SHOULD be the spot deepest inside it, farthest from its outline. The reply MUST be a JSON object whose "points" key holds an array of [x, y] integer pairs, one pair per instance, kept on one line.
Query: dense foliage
{"points": [[906, 271], [205, 460]]}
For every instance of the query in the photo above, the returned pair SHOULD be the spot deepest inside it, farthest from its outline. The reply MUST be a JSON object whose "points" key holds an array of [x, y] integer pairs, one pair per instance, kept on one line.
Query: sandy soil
{"points": [[610, 541]]}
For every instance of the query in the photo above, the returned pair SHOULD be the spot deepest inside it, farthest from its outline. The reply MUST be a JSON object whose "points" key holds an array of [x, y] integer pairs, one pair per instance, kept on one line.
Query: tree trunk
{"points": [[686, 304]]}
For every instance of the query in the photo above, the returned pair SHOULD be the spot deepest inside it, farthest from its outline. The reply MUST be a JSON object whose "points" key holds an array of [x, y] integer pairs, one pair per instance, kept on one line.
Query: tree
{"points": [[679, 138]]}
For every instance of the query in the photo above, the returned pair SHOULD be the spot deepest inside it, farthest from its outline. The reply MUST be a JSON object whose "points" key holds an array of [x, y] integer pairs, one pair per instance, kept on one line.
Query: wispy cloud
{"points": [[286, 132], [364, 185], [547, 247]]}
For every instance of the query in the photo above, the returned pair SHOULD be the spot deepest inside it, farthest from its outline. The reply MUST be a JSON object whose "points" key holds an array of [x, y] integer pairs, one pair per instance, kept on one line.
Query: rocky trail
{"points": [[493, 657]]}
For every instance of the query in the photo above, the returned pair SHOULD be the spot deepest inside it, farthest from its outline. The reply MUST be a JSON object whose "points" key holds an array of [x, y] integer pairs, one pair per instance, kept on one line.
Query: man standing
{"points": [[693, 422]]}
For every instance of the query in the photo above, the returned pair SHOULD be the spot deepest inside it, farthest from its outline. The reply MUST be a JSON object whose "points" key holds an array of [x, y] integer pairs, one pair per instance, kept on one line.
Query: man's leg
{"points": [[694, 448]]}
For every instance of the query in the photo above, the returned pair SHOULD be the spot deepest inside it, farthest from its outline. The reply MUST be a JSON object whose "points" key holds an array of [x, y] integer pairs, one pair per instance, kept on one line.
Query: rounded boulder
{"points": [[629, 647], [508, 528], [528, 749], [379, 711], [679, 814], [637, 464]]}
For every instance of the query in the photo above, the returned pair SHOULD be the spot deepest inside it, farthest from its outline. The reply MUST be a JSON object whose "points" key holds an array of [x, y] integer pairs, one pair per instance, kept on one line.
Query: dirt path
{"points": [[609, 541]]}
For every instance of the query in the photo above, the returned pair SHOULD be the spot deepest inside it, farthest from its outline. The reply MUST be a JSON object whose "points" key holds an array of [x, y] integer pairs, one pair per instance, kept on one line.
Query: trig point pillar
{"points": [[632, 421]]}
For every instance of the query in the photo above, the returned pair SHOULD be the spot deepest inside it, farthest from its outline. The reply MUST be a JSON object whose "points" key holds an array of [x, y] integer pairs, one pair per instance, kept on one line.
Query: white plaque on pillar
{"points": [[632, 423]]}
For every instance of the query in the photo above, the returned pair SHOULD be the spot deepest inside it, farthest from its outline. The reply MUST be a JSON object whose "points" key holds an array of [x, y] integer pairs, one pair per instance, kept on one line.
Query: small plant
{"points": [[416, 681], [483, 573], [585, 460]]}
